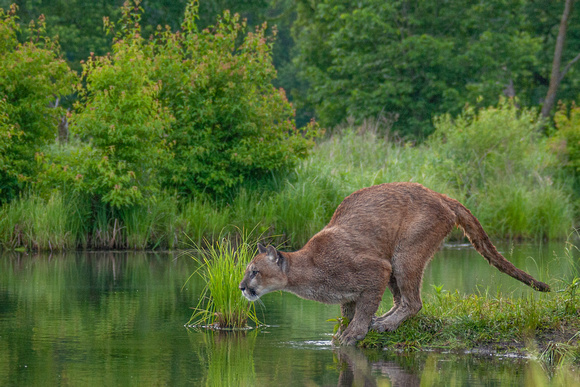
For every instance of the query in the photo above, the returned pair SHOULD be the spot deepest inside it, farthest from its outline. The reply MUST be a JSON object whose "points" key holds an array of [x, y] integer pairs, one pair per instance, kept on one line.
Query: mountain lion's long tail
{"points": [[479, 239]]}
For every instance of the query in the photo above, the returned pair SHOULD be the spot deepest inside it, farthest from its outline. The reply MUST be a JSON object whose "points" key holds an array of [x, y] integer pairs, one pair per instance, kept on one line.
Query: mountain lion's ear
{"points": [[261, 248], [272, 253], [277, 257]]}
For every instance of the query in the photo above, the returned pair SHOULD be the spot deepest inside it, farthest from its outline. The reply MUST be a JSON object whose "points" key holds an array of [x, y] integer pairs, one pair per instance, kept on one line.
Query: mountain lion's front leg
{"points": [[347, 310], [365, 308]]}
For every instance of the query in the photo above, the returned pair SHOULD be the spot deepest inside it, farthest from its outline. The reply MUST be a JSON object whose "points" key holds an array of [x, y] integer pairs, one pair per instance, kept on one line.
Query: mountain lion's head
{"points": [[265, 273]]}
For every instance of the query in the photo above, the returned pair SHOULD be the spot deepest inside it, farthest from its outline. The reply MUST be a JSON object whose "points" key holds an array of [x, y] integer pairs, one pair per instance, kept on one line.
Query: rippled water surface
{"points": [[118, 319]]}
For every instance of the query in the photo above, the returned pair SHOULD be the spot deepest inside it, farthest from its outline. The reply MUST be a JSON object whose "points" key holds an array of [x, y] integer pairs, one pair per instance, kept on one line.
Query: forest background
{"points": [[150, 124]]}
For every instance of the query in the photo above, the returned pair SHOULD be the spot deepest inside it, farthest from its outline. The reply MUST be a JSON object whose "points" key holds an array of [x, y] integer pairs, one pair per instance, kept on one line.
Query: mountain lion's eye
{"points": [[253, 273]]}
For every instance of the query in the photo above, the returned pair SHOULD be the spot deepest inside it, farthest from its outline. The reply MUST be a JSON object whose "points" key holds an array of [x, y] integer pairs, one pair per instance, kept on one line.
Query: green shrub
{"points": [[566, 141], [120, 116], [501, 168], [479, 145], [32, 79], [231, 123]]}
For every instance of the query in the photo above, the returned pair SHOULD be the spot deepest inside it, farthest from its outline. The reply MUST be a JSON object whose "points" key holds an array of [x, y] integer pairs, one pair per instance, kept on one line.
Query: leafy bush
{"points": [[497, 161], [566, 141], [120, 116], [231, 123], [32, 78], [479, 145], [188, 111]]}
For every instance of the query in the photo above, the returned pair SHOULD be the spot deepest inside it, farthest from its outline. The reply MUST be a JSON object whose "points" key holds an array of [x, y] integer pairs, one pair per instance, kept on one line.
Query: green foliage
{"points": [[185, 133], [566, 141], [222, 267], [52, 224], [495, 141], [79, 23], [496, 160], [414, 61], [32, 79], [512, 188], [8, 136], [191, 111], [120, 116], [231, 123]]}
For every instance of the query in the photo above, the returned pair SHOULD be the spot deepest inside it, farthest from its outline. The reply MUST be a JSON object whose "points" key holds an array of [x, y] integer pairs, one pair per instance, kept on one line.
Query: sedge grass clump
{"points": [[221, 303]]}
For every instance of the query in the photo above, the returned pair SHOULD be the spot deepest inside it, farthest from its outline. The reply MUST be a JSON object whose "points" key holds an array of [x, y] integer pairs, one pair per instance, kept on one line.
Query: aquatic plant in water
{"points": [[221, 304]]}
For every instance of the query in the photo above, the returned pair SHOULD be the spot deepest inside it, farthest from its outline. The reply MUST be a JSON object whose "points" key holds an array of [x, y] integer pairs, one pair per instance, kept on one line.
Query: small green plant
{"points": [[222, 267], [341, 323]]}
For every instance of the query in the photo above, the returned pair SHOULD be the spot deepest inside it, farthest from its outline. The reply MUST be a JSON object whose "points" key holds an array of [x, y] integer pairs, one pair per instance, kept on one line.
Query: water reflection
{"points": [[364, 368], [228, 357], [117, 319], [357, 370]]}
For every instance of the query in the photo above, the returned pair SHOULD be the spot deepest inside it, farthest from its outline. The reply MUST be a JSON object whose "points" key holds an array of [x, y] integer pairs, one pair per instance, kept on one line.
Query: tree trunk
{"points": [[556, 75]]}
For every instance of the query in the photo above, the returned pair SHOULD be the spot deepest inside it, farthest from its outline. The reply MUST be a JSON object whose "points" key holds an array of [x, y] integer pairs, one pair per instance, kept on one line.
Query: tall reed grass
{"points": [[51, 224]]}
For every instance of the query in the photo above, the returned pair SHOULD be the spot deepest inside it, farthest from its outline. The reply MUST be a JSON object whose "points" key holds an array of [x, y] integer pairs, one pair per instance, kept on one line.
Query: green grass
{"points": [[222, 266], [51, 224]]}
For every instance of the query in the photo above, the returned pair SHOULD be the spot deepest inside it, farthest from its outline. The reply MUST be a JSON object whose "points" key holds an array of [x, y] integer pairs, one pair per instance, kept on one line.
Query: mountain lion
{"points": [[381, 236]]}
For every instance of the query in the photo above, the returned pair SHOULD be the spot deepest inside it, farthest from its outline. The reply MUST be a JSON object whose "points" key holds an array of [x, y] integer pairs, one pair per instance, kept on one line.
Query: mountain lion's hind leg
{"points": [[394, 288], [409, 261]]}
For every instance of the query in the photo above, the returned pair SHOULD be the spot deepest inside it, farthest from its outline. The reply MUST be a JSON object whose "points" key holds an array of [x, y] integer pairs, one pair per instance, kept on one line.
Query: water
{"points": [[109, 319]]}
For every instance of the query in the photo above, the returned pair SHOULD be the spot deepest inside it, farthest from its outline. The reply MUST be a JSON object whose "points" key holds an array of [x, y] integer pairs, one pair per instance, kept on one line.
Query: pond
{"points": [[117, 318]]}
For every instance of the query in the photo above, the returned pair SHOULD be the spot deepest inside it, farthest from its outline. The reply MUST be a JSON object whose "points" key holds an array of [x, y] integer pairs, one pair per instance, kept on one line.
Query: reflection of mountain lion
{"points": [[378, 237]]}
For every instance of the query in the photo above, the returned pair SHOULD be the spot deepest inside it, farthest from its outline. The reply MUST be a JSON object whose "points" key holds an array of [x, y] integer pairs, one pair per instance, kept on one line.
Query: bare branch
{"points": [[568, 66], [556, 75]]}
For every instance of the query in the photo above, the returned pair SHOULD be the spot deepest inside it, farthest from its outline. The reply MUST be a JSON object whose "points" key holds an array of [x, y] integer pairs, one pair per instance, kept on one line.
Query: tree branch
{"points": [[568, 66], [556, 74]]}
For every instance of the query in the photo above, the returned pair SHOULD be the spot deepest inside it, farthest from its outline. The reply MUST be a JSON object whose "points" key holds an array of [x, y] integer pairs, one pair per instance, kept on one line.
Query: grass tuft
{"points": [[222, 267]]}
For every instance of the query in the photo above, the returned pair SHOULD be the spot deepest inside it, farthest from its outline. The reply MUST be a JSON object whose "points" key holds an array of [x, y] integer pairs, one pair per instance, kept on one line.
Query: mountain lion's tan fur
{"points": [[379, 237]]}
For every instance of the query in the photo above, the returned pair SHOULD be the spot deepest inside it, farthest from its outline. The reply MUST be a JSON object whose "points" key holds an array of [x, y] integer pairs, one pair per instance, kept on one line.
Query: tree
{"points": [[557, 73], [411, 60]]}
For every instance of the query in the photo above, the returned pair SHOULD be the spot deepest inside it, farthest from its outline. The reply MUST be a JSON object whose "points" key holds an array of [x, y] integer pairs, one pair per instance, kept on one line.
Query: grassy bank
{"points": [[544, 325], [496, 165]]}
